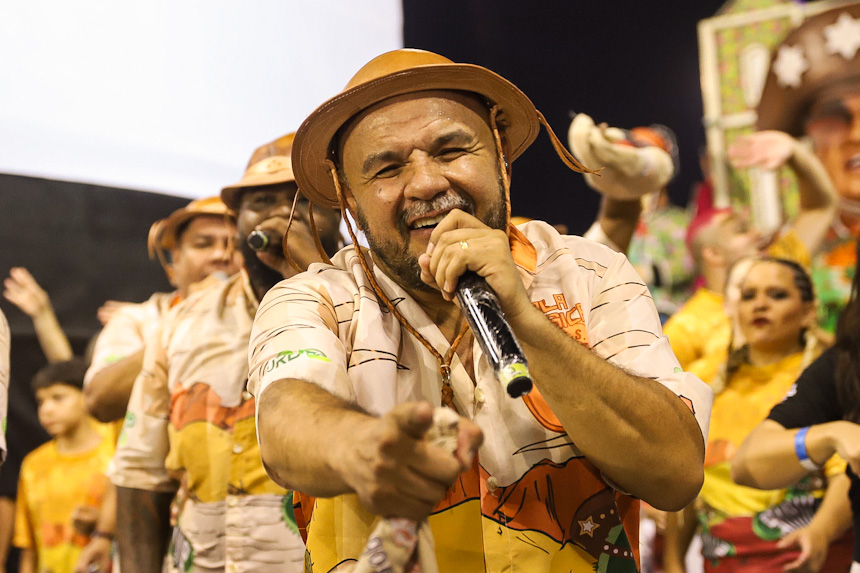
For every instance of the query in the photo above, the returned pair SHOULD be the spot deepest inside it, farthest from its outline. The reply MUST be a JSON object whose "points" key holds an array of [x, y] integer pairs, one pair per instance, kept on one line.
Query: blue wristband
{"points": [[800, 450]]}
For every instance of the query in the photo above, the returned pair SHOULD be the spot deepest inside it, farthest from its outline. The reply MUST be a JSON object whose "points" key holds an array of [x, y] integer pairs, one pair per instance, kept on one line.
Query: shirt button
{"points": [[232, 500], [247, 395], [237, 448], [479, 396], [492, 484]]}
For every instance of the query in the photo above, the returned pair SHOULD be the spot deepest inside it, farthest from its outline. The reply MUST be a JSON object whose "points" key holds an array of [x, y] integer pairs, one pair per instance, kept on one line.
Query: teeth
{"points": [[421, 223]]}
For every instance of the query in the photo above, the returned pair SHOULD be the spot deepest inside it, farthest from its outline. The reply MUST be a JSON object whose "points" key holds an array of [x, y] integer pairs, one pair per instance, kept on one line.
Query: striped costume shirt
{"points": [[532, 502]]}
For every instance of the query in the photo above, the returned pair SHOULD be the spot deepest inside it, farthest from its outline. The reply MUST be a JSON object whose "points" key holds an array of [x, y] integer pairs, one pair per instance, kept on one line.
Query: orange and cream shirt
{"points": [[191, 420], [532, 502], [127, 331]]}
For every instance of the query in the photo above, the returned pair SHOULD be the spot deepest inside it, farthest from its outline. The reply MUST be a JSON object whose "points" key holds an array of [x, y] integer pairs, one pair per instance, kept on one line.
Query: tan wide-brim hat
{"points": [[163, 233], [392, 74], [819, 56], [269, 164]]}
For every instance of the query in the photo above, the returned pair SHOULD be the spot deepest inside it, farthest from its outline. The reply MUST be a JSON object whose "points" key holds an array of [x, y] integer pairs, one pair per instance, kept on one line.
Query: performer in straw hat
{"points": [[190, 420], [348, 359]]}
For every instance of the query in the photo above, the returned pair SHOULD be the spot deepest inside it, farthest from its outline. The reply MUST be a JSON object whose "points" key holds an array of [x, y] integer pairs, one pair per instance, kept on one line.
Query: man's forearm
{"points": [[107, 393], [618, 219], [142, 529], [52, 339], [294, 450], [622, 423]]}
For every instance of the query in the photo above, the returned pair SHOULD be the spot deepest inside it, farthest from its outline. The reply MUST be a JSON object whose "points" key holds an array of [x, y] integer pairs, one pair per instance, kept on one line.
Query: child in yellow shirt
{"points": [[63, 482]]}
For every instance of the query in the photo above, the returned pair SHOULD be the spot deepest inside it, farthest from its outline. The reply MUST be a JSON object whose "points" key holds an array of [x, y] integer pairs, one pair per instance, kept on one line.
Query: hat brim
{"points": [[231, 195], [313, 141]]}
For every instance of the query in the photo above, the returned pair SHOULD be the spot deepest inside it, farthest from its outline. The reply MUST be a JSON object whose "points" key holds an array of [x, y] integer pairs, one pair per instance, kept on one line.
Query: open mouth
{"points": [[426, 222], [759, 322]]}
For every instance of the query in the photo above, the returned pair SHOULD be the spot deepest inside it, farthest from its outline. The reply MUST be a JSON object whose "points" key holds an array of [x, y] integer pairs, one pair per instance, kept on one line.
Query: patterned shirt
{"points": [[532, 501], [127, 331], [190, 417], [52, 485], [659, 245], [5, 339], [833, 272], [739, 520]]}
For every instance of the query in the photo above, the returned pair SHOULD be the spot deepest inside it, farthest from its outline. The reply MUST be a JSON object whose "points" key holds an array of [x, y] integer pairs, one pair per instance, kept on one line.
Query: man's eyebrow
{"points": [[375, 158]]}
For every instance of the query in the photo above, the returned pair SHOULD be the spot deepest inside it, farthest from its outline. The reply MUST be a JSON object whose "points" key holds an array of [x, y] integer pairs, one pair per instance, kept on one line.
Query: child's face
{"points": [[61, 408]]}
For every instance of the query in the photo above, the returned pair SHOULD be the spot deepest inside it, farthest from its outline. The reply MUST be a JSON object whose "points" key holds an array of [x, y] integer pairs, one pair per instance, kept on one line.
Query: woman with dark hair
{"points": [[744, 529], [819, 418]]}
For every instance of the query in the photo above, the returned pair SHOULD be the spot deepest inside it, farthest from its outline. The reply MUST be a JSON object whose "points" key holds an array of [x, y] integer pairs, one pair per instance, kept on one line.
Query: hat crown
{"points": [[281, 147], [395, 61]]}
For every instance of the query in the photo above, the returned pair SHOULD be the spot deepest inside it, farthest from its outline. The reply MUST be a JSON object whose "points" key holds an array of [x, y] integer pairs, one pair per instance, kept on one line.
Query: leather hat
{"points": [[162, 233], [820, 55], [396, 73], [269, 164]]}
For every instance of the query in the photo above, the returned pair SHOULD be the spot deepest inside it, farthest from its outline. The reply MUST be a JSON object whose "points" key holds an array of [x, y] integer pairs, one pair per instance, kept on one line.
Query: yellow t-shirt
{"points": [[743, 405], [51, 486]]}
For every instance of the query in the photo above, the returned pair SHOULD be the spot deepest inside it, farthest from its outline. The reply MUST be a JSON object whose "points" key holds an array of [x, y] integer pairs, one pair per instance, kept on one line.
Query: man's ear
{"points": [[712, 255]]}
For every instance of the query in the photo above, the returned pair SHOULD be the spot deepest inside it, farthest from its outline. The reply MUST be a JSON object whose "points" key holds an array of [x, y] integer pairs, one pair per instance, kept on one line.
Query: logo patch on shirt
{"points": [[563, 316], [290, 355]]}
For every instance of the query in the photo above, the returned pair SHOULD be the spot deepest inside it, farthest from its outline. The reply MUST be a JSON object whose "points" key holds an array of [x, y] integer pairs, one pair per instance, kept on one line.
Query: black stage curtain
{"points": [[625, 63], [84, 244]]}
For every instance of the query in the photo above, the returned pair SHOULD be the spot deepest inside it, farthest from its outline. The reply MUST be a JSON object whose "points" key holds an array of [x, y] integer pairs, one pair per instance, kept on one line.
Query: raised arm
{"points": [[22, 290], [818, 197]]}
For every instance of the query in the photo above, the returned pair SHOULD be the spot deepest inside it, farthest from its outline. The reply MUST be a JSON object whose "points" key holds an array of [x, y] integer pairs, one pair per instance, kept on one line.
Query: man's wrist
{"points": [[99, 534]]}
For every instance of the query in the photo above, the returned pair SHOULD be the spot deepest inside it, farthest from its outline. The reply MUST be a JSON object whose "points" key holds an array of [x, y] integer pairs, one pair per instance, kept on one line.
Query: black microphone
{"points": [[494, 334], [262, 240]]}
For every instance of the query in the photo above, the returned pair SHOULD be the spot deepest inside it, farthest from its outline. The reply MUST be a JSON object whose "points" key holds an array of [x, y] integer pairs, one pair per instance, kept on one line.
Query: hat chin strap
{"points": [[566, 157], [444, 361]]}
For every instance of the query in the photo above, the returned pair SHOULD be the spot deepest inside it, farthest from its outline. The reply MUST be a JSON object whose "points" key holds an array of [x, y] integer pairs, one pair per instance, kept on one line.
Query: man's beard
{"points": [[261, 275], [401, 263]]}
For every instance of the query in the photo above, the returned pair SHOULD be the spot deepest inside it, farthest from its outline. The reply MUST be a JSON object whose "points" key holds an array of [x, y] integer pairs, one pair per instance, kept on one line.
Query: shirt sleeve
{"points": [[624, 328], [598, 235], [24, 531], [121, 337], [812, 399], [144, 443], [295, 336], [685, 343], [5, 340]]}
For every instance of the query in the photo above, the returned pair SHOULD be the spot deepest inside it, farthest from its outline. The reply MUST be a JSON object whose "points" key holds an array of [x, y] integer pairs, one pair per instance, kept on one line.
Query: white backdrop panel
{"points": [[171, 95]]}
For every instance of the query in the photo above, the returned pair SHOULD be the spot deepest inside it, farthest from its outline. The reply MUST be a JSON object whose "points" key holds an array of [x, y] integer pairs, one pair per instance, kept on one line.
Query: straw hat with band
{"points": [[818, 56], [402, 72], [269, 164], [163, 233]]}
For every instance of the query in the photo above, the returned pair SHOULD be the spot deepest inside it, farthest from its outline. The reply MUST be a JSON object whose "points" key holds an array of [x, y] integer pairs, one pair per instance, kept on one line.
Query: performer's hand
{"points": [[766, 149], [813, 550], [461, 242], [22, 290], [395, 472], [301, 243], [95, 557]]}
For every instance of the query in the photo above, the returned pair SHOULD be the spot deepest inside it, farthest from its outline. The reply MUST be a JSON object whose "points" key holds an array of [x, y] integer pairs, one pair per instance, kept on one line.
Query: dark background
{"points": [[625, 63]]}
